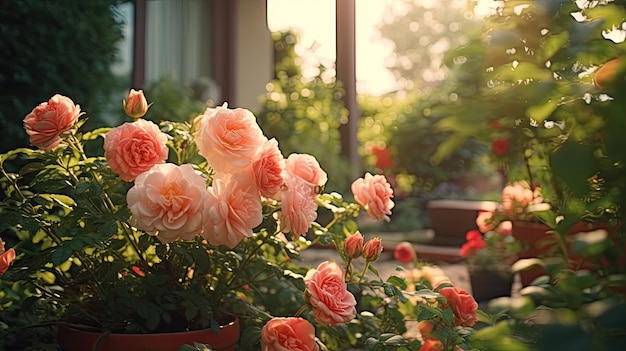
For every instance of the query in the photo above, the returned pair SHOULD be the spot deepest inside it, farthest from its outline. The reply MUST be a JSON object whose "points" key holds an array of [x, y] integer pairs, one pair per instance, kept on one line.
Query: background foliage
{"points": [[61, 47]]}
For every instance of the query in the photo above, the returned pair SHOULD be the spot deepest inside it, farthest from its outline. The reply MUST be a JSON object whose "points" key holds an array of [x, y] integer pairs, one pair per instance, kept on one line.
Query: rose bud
{"points": [[136, 106], [353, 246], [372, 249], [610, 74]]}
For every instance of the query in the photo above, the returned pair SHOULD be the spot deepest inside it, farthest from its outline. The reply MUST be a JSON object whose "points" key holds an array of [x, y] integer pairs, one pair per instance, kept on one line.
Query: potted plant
{"points": [[489, 257], [191, 227]]}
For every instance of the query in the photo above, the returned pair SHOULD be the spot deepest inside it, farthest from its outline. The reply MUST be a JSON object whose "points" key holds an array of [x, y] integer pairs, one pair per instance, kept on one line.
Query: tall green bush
{"points": [[49, 47]]}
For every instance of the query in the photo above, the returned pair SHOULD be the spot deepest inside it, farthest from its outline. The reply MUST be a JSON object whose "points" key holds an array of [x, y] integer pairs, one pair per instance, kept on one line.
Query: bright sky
{"points": [[316, 23]]}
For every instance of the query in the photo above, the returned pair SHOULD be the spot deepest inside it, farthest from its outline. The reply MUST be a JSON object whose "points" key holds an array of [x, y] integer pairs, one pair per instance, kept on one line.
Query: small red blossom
{"points": [[474, 243], [500, 146], [404, 252]]}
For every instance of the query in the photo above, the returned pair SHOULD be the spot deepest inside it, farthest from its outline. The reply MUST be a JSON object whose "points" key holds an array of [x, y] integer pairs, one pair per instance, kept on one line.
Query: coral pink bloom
{"points": [[353, 246], [229, 138], [136, 106], [133, 148], [298, 207], [6, 257], [233, 210], [374, 193], [327, 294], [307, 168], [505, 228], [431, 345], [293, 334], [268, 169], [404, 252], [168, 201], [462, 304], [46, 122]]}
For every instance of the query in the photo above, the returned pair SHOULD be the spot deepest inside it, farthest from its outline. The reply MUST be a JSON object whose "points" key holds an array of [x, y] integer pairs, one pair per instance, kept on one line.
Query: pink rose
{"points": [[298, 207], [327, 294], [462, 304], [233, 210], [372, 249], [353, 246], [404, 252], [168, 201], [46, 122], [307, 168], [6, 257], [293, 334], [136, 106], [374, 193], [229, 138], [505, 228], [133, 148], [268, 169]]}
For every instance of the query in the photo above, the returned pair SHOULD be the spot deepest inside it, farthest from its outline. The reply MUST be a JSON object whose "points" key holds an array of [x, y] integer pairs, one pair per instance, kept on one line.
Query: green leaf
{"points": [[610, 15], [61, 254], [150, 313], [526, 263], [542, 111], [552, 45], [573, 164]]}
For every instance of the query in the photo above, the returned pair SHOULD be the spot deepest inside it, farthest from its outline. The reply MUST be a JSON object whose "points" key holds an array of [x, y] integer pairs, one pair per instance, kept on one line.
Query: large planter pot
{"points": [[450, 220], [74, 339], [487, 285]]}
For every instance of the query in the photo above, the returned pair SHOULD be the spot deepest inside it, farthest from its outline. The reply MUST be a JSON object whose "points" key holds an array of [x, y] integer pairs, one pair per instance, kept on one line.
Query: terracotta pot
{"points": [[487, 285], [73, 339], [452, 219]]}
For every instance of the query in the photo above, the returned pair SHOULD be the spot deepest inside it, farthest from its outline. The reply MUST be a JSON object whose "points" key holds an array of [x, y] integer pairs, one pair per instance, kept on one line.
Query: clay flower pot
{"points": [[487, 285], [73, 339]]}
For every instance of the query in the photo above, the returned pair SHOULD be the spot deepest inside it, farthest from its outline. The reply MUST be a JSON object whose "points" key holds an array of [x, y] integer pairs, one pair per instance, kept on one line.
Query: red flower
{"points": [[473, 244], [383, 159], [500, 146], [404, 252]]}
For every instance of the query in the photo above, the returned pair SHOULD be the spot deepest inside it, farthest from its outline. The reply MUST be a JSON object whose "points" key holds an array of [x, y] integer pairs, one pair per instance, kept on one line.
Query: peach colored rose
{"points": [[46, 122], [505, 228], [233, 210], [168, 201], [374, 193], [353, 246], [6, 257], [327, 294], [372, 249], [307, 168], [136, 106], [133, 148], [288, 334], [483, 221], [268, 169], [229, 138], [404, 252], [298, 207], [462, 304]]}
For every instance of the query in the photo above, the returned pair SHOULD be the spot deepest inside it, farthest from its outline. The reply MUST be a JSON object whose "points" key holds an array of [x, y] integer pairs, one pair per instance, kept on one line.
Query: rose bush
{"points": [[183, 225]]}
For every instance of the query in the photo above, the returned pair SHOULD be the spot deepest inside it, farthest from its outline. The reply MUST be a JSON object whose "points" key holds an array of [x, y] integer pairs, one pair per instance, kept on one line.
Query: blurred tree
{"points": [[64, 47], [303, 113], [422, 31]]}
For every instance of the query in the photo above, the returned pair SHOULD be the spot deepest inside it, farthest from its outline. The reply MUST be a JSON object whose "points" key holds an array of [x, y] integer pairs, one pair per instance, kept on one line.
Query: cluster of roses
{"points": [[246, 172], [462, 304], [326, 294], [173, 202]]}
